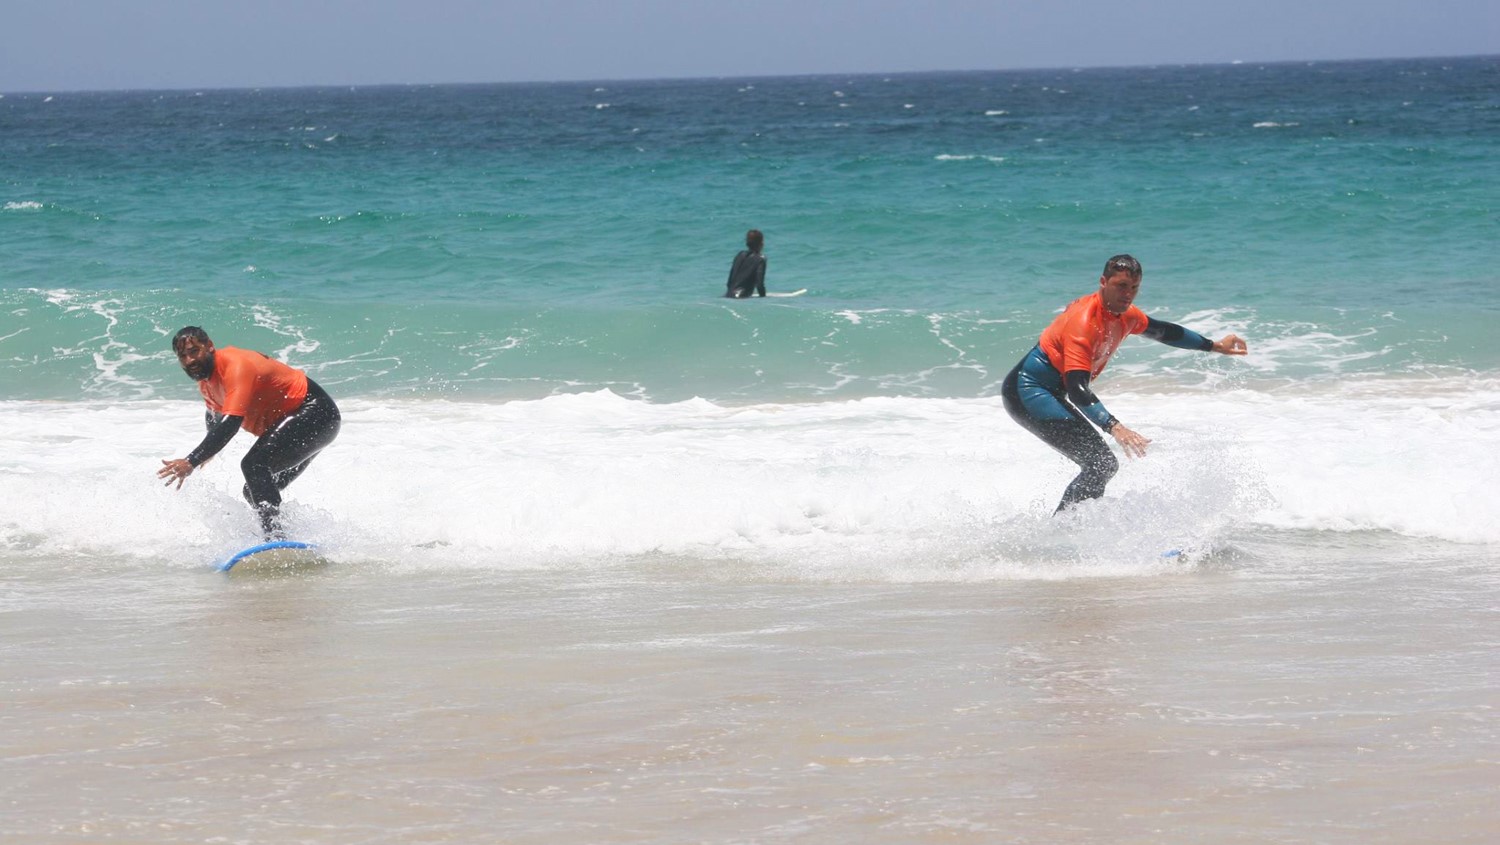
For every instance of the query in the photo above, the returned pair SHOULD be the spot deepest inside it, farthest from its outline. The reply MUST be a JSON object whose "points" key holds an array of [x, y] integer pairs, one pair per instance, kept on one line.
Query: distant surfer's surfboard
{"points": [[277, 554], [797, 292]]}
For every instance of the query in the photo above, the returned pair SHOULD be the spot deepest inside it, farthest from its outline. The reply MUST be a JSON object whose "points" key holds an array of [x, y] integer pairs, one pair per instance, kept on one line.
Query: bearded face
{"points": [[196, 358]]}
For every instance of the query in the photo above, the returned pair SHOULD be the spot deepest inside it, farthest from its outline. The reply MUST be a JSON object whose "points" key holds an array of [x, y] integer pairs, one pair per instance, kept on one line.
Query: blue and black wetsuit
{"points": [[1058, 408]]}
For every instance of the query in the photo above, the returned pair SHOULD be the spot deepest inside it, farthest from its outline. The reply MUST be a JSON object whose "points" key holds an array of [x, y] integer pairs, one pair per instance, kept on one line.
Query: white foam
{"points": [[877, 489], [301, 344], [111, 356]]}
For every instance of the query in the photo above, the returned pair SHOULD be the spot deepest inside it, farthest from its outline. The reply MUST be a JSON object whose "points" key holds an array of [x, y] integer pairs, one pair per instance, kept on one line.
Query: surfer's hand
{"points": [[1133, 444], [1231, 345], [175, 470]]}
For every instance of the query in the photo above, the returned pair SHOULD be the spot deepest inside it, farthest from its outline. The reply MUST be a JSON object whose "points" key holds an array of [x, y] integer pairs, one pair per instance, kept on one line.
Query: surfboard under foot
{"points": [[280, 553]]}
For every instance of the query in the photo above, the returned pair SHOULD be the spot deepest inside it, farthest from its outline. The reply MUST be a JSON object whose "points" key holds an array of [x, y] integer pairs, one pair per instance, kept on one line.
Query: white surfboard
{"points": [[797, 292]]}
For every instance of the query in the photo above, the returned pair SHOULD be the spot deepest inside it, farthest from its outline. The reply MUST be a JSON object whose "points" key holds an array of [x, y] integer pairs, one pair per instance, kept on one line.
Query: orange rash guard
{"points": [[1085, 334], [250, 385]]}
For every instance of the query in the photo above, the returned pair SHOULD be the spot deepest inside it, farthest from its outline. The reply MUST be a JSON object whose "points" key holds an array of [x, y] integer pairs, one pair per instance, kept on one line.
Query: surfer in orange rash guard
{"points": [[292, 418], [1048, 392]]}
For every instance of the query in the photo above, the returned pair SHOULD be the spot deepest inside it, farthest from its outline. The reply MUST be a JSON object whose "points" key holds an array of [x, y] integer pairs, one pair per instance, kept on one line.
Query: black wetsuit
{"points": [[279, 455], [747, 275]]}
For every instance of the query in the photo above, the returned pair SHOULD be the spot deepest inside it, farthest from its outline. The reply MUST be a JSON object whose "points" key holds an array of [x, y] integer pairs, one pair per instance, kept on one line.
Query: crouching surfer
{"points": [[1049, 391], [292, 418]]}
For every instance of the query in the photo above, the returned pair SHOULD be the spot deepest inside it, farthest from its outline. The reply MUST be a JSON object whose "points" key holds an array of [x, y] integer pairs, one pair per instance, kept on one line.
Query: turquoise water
{"points": [[511, 241]]}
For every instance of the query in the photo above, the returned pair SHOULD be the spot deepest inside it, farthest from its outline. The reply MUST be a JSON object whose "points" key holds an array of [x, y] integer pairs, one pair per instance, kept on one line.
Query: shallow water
{"points": [[1303, 688]]}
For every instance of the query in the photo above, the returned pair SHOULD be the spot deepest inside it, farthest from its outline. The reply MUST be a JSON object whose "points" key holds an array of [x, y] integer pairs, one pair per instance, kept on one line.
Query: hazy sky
{"points": [[58, 45]]}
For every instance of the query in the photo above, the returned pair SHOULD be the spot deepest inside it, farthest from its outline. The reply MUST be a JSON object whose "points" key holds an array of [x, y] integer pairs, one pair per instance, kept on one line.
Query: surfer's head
{"points": [[1123, 264], [1120, 283], [755, 240], [195, 352]]}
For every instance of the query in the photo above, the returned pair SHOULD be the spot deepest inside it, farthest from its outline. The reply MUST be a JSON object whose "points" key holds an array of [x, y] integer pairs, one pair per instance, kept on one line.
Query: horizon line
{"points": [[712, 77]]}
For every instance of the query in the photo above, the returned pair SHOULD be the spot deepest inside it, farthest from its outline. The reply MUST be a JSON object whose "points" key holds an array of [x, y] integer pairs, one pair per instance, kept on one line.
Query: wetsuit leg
{"points": [[1073, 436], [281, 454]]}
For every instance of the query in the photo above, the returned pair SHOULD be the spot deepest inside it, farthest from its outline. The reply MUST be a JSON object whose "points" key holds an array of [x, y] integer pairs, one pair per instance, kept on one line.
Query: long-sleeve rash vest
{"points": [[1075, 348], [247, 390]]}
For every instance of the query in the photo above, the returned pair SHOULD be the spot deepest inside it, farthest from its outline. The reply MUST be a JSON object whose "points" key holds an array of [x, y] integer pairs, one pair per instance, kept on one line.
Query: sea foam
{"points": [[881, 488]]}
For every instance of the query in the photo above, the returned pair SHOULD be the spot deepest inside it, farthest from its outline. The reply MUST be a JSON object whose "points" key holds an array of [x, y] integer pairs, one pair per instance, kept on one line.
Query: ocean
{"points": [[612, 559]]}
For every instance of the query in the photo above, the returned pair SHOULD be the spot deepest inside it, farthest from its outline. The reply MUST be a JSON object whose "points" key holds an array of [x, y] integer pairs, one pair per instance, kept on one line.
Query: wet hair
{"points": [[188, 332], [1123, 264], [755, 240]]}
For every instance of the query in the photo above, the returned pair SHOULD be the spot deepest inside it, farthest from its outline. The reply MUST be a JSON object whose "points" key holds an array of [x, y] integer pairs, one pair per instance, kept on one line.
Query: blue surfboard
{"points": [[263, 547]]}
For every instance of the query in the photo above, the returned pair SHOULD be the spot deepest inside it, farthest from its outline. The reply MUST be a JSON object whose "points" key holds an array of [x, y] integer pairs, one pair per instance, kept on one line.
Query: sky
{"points": [[71, 45]]}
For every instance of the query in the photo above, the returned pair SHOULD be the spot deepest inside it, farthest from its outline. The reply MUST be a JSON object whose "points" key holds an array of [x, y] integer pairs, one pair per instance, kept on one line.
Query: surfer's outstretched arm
{"points": [[1081, 394], [220, 432], [1184, 338]]}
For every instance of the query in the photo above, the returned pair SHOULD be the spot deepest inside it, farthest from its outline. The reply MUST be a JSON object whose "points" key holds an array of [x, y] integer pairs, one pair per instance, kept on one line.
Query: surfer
{"points": [[290, 415], [1048, 392], [748, 272]]}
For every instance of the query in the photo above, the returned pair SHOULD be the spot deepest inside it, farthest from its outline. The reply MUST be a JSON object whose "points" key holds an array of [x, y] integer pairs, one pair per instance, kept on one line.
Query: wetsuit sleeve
{"points": [[1076, 382], [760, 277], [1174, 335], [219, 434]]}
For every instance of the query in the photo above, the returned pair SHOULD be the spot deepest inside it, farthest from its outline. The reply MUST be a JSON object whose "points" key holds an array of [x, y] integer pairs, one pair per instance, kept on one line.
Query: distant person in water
{"points": [[1048, 392], [290, 415], [748, 272]]}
